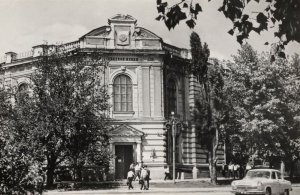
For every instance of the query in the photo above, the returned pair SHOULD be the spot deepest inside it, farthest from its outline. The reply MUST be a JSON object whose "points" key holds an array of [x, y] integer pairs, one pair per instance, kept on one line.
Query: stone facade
{"points": [[155, 86]]}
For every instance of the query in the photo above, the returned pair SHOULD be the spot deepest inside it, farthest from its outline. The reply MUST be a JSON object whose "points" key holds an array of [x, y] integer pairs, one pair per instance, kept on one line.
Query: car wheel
{"points": [[286, 192], [268, 191]]}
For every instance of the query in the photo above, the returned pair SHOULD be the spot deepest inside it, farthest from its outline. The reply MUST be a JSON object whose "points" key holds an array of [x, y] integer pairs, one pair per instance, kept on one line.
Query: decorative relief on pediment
{"points": [[123, 17], [142, 33], [126, 131], [103, 31]]}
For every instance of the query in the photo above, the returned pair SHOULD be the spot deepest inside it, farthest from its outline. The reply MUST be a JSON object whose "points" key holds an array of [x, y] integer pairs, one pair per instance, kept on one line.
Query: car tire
{"points": [[268, 191], [286, 192]]}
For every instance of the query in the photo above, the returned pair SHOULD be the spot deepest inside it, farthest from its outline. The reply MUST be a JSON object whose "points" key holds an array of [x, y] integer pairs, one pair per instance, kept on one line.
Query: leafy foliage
{"points": [[266, 100], [210, 109], [211, 112], [20, 163], [284, 14], [174, 14], [70, 104], [19, 172], [60, 120], [200, 54]]}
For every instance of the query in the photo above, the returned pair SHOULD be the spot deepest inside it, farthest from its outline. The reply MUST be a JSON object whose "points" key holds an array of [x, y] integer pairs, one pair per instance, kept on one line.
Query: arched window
{"points": [[172, 100], [122, 94]]}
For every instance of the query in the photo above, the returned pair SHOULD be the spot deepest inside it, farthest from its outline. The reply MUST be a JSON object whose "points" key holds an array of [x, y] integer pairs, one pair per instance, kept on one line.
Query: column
{"points": [[146, 91], [111, 172], [139, 152]]}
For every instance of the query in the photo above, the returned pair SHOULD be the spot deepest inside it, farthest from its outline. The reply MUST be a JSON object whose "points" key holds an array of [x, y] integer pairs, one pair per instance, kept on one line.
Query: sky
{"points": [[26, 23]]}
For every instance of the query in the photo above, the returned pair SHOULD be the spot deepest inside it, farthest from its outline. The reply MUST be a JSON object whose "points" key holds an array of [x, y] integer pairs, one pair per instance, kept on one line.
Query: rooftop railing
{"points": [[70, 46], [2, 59], [23, 55]]}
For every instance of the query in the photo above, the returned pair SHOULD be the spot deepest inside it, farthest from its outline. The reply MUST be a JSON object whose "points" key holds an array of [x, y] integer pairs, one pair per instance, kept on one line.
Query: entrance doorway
{"points": [[124, 157]]}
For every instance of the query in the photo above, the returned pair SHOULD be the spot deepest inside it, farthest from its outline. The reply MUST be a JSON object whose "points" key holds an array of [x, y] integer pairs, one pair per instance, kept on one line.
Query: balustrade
{"points": [[23, 55]]}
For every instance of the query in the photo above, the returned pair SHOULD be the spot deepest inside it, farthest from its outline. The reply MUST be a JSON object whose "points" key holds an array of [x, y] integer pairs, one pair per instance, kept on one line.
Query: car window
{"points": [[273, 175], [279, 176], [258, 174]]}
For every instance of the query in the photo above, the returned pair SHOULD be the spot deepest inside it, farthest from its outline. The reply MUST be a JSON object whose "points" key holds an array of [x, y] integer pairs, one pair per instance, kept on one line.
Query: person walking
{"points": [[137, 170], [230, 168], [224, 169], [248, 167], [236, 168], [130, 176], [142, 178], [167, 173], [242, 171], [131, 167], [145, 177]]}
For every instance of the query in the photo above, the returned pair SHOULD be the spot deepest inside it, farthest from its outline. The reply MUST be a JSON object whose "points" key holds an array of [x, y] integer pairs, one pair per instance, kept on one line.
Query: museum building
{"points": [[146, 82]]}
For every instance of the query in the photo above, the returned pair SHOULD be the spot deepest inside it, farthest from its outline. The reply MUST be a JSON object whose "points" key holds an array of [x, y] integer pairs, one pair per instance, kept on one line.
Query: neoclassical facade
{"points": [[146, 82]]}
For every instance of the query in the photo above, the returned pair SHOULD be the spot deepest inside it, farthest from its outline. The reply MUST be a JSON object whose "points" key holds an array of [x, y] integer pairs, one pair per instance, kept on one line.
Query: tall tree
{"points": [[268, 106], [210, 110], [69, 104]]}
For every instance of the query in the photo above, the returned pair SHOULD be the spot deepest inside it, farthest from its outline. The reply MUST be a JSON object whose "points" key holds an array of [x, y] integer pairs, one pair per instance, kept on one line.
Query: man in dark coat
{"points": [[147, 178]]}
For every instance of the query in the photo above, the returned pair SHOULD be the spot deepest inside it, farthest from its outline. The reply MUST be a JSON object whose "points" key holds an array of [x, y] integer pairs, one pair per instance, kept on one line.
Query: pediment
{"points": [[101, 32], [126, 131], [143, 33]]}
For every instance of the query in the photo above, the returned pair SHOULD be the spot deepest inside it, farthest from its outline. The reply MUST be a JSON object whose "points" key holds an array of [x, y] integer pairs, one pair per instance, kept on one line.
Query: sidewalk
{"points": [[158, 186], [124, 190]]}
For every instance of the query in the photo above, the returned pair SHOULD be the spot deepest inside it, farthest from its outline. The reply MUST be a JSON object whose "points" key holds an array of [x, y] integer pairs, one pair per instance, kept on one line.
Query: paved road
{"points": [[158, 191]]}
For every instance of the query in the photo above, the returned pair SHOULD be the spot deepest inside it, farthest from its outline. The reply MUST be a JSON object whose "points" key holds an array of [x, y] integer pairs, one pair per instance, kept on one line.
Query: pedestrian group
{"points": [[139, 173], [234, 170], [142, 173]]}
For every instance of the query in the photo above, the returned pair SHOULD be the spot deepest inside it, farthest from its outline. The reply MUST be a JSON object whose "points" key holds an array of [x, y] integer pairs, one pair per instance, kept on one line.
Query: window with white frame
{"points": [[122, 91]]}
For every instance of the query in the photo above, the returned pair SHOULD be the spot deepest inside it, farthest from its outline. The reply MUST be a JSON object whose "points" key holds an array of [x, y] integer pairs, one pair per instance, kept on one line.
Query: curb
{"points": [[151, 190], [122, 189]]}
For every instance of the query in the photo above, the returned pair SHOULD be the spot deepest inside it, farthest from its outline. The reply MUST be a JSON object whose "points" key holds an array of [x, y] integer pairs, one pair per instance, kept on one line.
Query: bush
{"points": [[19, 172]]}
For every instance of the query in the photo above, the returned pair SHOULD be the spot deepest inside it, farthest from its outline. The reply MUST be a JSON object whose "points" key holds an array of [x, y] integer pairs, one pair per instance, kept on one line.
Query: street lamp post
{"points": [[173, 137], [174, 124]]}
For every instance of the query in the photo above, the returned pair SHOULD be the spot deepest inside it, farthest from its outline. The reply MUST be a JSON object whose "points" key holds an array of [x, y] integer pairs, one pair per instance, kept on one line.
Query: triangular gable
{"points": [[125, 130]]}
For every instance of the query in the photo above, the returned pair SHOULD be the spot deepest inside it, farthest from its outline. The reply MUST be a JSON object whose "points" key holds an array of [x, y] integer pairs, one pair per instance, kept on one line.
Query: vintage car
{"points": [[262, 181]]}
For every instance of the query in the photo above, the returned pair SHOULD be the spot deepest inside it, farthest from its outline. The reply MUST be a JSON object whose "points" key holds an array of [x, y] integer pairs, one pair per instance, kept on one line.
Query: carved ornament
{"points": [[126, 131]]}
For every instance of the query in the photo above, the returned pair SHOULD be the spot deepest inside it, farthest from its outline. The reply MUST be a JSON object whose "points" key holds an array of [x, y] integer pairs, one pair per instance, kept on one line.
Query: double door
{"points": [[124, 157]]}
